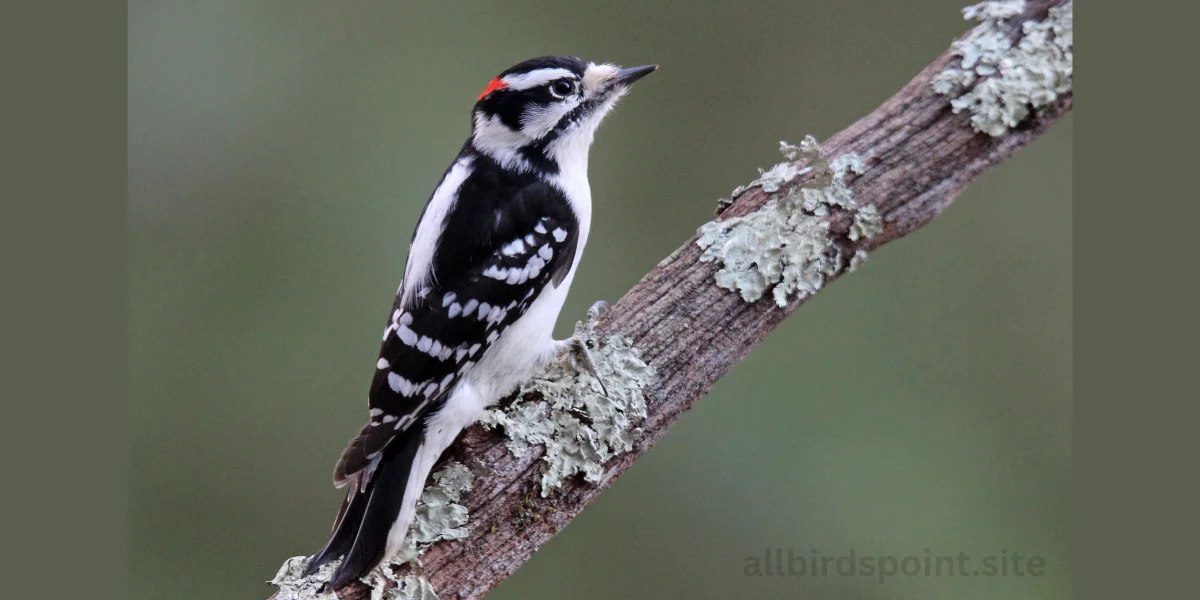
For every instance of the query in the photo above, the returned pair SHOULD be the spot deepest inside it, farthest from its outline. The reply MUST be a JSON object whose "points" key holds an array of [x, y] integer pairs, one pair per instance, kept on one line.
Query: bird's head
{"points": [[542, 114]]}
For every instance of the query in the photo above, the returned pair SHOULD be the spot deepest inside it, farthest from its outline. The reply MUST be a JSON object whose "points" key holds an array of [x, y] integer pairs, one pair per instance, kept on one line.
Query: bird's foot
{"points": [[578, 348]]}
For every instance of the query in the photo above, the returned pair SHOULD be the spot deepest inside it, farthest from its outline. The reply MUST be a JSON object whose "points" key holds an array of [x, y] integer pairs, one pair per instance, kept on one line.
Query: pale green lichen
{"points": [[785, 246], [405, 587], [1000, 83], [724, 203], [774, 178], [439, 516], [867, 223], [294, 587], [859, 257], [567, 413], [848, 163], [774, 246]]}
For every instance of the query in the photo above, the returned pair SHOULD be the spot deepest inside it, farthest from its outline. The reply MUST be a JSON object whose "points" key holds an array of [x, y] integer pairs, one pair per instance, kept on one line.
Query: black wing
{"points": [[500, 257]]}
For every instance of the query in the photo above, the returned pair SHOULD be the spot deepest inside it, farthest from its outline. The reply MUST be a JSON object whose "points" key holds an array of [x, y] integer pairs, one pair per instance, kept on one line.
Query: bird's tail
{"points": [[372, 509]]}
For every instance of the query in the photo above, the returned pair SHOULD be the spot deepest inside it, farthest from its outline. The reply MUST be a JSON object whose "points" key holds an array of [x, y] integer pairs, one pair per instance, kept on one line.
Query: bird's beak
{"points": [[628, 76]]}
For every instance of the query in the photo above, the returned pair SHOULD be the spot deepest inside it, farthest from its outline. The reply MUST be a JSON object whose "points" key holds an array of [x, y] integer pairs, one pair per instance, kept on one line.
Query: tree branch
{"points": [[918, 155]]}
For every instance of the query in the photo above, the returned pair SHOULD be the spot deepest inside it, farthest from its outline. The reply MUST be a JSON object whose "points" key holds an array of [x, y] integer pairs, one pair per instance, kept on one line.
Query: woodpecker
{"points": [[488, 269]]}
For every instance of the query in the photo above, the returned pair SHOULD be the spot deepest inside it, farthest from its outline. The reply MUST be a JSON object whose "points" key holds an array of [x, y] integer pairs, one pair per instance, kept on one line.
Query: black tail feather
{"points": [[361, 531], [344, 530]]}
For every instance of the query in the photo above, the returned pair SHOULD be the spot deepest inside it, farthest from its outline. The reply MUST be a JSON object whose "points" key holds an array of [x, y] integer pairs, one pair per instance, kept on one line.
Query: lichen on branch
{"points": [[566, 412], [439, 516], [785, 246], [999, 82]]}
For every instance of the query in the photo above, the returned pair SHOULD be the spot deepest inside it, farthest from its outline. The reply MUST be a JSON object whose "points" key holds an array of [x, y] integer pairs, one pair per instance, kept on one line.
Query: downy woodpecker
{"points": [[489, 265]]}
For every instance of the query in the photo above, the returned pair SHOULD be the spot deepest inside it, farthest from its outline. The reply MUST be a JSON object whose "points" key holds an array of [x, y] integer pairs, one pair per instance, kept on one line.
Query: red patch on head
{"points": [[493, 85]]}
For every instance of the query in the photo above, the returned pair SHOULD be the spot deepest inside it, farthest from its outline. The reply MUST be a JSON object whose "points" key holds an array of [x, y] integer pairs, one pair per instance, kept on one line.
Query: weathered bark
{"points": [[918, 157]]}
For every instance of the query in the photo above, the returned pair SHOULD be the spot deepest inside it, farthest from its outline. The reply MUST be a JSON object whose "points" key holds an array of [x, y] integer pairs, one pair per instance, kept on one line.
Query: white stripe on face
{"points": [[494, 138], [538, 120], [596, 76], [532, 79]]}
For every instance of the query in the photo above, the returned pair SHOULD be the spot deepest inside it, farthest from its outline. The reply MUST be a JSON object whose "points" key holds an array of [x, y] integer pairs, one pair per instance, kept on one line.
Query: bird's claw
{"points": [[580, 345]]}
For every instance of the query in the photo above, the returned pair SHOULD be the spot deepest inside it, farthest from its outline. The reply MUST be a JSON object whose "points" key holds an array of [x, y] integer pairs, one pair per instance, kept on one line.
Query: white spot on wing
{"points": [[559, 234], [513, 248], [400, 385], [382, 364], [406, 335], [535, 266]]}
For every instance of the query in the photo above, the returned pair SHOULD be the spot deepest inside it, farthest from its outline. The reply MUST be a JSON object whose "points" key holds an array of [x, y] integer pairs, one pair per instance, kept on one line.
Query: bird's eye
{"points": [[560, 89]]}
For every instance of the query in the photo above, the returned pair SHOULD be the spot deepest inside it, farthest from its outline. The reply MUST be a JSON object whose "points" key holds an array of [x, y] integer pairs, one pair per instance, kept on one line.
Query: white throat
{"points": [[572, 179]]}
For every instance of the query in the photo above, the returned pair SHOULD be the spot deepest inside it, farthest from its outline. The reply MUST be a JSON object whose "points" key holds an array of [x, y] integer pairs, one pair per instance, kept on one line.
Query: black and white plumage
{"points": [[488, 270]]}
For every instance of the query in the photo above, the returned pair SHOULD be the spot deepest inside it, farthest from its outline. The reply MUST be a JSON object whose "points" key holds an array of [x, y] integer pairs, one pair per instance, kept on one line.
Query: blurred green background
{"points": [[280, 153]]}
